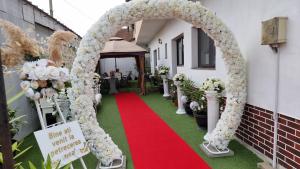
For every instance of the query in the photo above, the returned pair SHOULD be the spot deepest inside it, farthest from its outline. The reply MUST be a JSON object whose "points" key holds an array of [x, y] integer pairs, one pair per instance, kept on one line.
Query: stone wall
{"points": [[38, 24]]}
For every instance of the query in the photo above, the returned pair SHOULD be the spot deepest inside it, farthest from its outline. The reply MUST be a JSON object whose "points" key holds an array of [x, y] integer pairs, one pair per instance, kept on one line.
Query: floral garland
{"points": [[129, 13]]}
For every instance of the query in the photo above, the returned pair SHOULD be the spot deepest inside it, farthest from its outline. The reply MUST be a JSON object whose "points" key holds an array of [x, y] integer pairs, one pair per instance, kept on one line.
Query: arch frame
{"points": [[81, 94]]}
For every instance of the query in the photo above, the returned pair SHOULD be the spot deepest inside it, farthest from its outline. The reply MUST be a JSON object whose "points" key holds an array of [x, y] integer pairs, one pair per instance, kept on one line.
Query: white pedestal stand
{"points": [[212, 119], [166, 86], [180, 109], [212, 112]]}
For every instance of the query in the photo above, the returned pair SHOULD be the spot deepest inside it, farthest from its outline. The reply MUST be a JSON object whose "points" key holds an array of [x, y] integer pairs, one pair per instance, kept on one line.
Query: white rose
{"points": [[28, 67], [25, 85], [32, 76], [37, 96], [41, 73], [64, 74], [42, 62], [29, 93], [49, 92], [53, 72], [58, 85], [34, 84], [23, 76]]}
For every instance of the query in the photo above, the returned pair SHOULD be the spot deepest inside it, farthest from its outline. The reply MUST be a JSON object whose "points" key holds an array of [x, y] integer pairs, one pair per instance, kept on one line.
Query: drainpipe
{"points": [[275, 112], [51, 7]]}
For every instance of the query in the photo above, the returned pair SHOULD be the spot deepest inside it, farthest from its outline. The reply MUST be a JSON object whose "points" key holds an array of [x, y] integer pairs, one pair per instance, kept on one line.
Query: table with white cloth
{"points": [[112, 85]]}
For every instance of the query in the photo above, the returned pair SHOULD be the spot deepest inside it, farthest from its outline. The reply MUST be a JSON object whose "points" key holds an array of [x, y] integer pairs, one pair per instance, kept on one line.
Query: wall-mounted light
{"points": [[159, 41]]}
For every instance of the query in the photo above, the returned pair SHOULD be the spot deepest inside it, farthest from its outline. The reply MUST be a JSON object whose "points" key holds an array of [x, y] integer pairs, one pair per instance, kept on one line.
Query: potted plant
{"points": [[158, 81], [199, 108], [199, 114]]}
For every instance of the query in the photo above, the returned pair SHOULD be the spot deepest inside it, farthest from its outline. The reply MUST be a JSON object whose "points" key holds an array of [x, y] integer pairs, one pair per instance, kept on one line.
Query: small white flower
{"points": [[194, 106], [63, 74], [29, 93], [53, 73], [37, 96], [40, 73], [25, 85], [42, 62]]}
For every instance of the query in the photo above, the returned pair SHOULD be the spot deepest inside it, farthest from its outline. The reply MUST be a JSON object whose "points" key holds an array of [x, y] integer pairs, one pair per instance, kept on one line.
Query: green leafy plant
{"points": [[188, 88], [47, 165], [15, 123], [17, 152]]}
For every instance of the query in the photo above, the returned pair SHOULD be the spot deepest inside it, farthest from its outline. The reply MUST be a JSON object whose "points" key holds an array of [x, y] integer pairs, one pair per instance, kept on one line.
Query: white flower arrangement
{"points": [[195, 106], [163, 70], [179, 77], [39, 79], [128, 13], [213, 84]]}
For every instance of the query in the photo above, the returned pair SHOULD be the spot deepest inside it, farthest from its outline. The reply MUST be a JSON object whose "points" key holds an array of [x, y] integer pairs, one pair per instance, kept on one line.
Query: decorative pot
{"points": [[201, 120]]}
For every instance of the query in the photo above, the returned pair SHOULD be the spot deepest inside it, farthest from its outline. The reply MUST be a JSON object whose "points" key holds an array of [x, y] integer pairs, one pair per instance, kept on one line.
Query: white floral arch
{"points": [[81, 94]]}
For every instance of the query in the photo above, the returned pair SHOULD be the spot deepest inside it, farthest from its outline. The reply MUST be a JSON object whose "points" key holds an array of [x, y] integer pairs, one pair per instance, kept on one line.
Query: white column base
{"points": [[180, 111], [206, 137], [166, 95]]}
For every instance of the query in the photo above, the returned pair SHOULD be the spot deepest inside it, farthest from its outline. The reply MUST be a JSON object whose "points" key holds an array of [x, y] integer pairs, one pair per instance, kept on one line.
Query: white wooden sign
{"points": [[64, 143]]}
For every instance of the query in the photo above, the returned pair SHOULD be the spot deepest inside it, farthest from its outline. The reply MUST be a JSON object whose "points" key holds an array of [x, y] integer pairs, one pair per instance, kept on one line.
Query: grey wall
{"points": [[29, 18]]}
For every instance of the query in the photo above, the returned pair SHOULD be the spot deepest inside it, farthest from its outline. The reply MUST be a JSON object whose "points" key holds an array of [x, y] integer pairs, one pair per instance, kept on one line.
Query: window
{"points": [[180, 51], [155, 57], [206, 51], [158, 56], [166, 51]]}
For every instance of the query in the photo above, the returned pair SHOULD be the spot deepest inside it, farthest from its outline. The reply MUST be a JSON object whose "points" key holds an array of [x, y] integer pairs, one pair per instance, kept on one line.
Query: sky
{"points": [[78, 15]]}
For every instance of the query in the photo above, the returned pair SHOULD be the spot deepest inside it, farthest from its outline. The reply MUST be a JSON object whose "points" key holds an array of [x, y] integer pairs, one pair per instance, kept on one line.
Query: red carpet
{"points": [[153, 144]]}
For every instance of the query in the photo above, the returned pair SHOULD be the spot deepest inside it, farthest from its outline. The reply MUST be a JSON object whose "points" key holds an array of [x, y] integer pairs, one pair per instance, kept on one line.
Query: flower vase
{"points": [[212, 112], [180, 109], [166, 86]]}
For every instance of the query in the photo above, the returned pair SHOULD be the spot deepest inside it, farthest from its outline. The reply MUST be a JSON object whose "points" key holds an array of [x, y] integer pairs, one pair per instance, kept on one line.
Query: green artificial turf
{"points": [[184, 125]]}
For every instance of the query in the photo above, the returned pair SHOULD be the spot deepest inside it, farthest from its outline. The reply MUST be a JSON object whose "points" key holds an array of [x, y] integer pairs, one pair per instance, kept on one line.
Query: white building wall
{"points": [[244, 19]]}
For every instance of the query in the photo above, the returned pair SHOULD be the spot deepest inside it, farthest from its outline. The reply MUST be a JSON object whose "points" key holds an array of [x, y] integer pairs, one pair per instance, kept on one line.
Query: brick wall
{"points": [[256, 130]]}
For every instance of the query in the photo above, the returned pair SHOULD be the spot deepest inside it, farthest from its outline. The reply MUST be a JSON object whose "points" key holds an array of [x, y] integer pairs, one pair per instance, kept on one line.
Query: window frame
{"points": [[212, 51], [155, 57], [166, 50], [178, 40]]}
